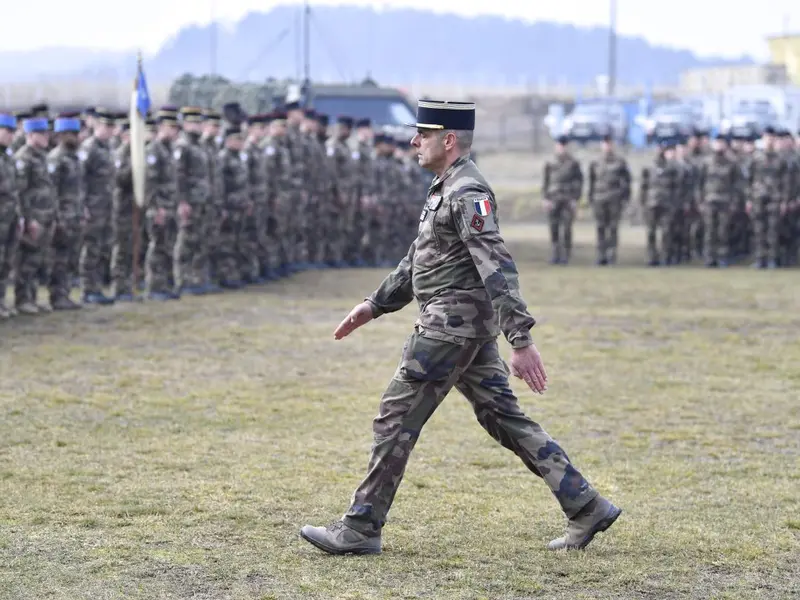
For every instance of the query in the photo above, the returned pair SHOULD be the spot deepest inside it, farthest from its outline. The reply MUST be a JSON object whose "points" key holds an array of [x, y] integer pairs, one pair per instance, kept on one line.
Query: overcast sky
{"points": [[709, 27]]}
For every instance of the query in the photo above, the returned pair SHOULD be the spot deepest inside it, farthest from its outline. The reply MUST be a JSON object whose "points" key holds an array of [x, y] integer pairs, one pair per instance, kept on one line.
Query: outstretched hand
{"points": [[360, 315], [526, 363]]}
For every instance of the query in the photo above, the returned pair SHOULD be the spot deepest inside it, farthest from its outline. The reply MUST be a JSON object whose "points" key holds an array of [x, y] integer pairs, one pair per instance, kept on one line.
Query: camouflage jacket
{"points": [[9, 197], [719, 178], [98, 177], [235, 180], [215, 180], [37, 196], [563, 179], [458, 268], [256, 162], [769, 178], [67, 176], [609, 180], [161, 187], [793, 164], [278, 166], [193, 171], [123, 184], [688, 183], [344, 169], [660, 184], [364, 169]]}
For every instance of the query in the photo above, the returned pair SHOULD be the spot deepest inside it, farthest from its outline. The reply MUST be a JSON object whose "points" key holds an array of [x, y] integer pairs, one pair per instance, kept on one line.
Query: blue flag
{"points": [[142, 95]]}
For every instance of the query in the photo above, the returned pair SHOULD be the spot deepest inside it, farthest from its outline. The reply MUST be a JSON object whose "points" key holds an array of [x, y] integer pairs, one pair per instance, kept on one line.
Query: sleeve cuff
{"points": [[376, 310]]}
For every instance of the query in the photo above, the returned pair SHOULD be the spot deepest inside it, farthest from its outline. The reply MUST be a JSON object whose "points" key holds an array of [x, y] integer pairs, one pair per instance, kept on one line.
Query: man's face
{"points": [[40, 139], [769, 141], [607, 147], [342, 131], [719, 145], [6, 137], [255, 131], [669, 154], [296, 116], [192, 127], [211, 129], [560, 148], [234, 142], [431, 149], [365, 134], [277, 129], [103, 131]]}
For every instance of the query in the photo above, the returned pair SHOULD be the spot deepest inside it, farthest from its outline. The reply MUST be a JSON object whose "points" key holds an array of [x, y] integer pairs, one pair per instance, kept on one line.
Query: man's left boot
{"points": [[593, 518], [338, 538]]}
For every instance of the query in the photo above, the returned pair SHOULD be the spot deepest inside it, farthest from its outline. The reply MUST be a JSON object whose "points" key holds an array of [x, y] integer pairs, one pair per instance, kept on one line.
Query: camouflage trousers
{"points": [[249, 248], [560, 218], [8, 250], [717, 217], [95, 254], [663, 220], [374, 241], [159, 264], [607, 215], [431, 365], [189, 255], [231, 245], [66, 246], [31, 259], [789, 233], [122, 256], [766, 228]]}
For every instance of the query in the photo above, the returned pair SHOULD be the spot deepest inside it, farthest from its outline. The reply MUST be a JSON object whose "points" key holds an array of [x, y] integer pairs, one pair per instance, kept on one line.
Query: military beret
{"points": [[562, 139], [310, 113], [231, 129], [105, 116], [279, 115], [40, 110], [256, 119], [608, 137], [295, 105], [768, 130], [8, 121], [346, 121], [364, 123], [383, 138], [323, 120]]}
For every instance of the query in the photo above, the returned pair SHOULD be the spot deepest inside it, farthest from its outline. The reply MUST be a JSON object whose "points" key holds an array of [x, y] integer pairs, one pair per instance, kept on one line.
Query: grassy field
{"points": [[174, 451]]}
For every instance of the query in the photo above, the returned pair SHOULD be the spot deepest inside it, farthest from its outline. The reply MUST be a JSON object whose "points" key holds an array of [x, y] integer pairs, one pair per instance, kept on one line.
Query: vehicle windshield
{"points": [[758, 107], [382, 111], [591, 109], [672, 110]]}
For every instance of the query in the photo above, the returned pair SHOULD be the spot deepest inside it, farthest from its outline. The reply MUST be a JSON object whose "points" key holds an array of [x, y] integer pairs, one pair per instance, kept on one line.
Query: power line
{"points": [[336, 63]]}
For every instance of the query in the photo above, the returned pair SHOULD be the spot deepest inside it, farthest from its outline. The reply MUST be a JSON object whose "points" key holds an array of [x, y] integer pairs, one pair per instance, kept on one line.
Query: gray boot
{"points": [[338, 538], [593, 518]]}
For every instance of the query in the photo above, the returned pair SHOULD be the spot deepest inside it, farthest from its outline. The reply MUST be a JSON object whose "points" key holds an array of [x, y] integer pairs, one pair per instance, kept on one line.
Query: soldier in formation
{"points": [[719, 201], [231, 200]]}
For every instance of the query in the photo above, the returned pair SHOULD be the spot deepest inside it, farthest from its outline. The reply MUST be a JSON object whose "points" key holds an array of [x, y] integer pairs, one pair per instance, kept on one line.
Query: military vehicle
{"points": [[388, 108]]}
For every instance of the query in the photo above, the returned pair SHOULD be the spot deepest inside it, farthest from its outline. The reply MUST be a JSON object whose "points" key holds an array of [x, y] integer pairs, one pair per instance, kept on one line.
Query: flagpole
{"points": [[137, 236]]}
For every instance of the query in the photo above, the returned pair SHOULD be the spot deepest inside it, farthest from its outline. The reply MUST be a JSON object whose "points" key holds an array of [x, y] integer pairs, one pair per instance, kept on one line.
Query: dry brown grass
{"points": [[173, 451]]}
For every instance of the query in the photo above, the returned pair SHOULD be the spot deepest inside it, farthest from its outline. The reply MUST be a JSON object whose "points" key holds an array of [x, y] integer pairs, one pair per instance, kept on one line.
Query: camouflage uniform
{"points": [[9, 222], [341, 213], [254, 239], [659, 198], [696, 217], [321, 202], [562, 186], [161, 189], [466, 285], [383, 210], [686, 203], [279, 195], [38, 203], [122, 256], [790, 219], [193, 169], [98, 179], [769, 183], [719, 179], [298, 242], [236, 202], [741, 226], [211, 217], [67, 178], [609, 194]]}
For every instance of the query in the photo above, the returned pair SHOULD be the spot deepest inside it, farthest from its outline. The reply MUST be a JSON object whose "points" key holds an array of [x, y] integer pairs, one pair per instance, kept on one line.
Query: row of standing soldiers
{"points": [[227, 203], [721, 200]]}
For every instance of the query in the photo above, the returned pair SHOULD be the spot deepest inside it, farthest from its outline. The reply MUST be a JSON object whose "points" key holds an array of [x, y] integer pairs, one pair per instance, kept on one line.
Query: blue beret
{"points": [[8, 121], [34, 125], [67, 124]]}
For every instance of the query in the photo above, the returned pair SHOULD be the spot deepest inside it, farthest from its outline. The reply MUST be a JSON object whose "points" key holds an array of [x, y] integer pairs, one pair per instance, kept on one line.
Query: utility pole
{"points": [[307, 43], [612, 49], [213, 38]]}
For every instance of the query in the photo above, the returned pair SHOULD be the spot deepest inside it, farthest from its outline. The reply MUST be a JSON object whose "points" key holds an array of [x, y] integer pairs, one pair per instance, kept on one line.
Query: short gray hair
{"points": [[464, 138]]}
